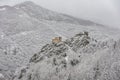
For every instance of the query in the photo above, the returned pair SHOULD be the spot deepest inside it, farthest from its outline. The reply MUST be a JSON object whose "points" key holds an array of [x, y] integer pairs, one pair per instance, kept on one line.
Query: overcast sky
{"points": [[101, 11]]}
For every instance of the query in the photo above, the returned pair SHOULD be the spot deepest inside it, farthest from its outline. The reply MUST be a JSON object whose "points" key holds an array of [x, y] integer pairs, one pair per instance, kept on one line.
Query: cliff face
{"points": [[78, 58]]}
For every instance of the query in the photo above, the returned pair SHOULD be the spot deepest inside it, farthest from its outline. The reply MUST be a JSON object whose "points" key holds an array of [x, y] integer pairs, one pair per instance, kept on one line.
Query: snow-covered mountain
{"points": [[79, 58], [26, 27]]}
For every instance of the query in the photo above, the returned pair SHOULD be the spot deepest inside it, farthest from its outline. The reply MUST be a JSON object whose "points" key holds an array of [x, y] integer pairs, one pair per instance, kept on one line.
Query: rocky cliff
{"points": [[78, 58]]}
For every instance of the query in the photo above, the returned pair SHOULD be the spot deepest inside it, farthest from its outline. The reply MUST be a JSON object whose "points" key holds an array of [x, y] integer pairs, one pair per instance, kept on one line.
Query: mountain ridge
{"points": [[43, 13], [78, 58], [75, 20]]}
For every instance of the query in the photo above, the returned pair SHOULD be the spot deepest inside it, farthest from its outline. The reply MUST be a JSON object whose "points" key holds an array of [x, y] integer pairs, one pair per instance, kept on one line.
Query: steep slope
{"points": [[44, 14], [78, 58], [29, 16], [28, 27], [13, 21]]}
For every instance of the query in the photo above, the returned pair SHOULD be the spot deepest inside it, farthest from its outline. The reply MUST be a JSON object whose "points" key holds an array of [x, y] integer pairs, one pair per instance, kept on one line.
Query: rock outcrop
{"points": [[78, 58]]}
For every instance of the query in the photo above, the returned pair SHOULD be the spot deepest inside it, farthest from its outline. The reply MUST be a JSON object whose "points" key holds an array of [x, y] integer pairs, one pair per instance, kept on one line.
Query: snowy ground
{"points": [[28, 27]]}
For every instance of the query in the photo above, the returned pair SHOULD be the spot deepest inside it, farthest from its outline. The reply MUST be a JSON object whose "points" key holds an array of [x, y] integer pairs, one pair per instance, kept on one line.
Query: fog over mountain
{"points": [[101, 11], [82, 50]]}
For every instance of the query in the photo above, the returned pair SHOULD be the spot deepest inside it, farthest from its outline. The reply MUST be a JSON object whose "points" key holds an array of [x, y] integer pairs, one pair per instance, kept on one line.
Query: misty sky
{"points": [[101, 11]]}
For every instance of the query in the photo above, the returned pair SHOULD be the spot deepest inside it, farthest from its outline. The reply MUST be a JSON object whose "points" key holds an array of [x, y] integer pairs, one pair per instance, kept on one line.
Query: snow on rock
{"points": [[2, 9], [78, 58], [2, 36], [27, 27], [2, 77]]}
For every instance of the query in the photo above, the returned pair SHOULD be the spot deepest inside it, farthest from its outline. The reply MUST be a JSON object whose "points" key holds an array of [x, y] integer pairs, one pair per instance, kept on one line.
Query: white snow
{"points": [[1, 76], [17, 7], [2, 36], [24, 33], [66, 58], [21, 15], [2, 9], [30, 34]]}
